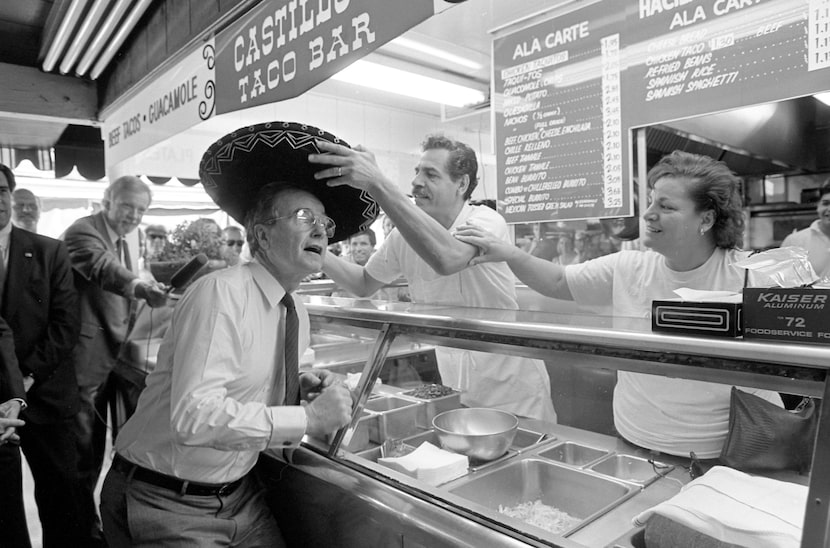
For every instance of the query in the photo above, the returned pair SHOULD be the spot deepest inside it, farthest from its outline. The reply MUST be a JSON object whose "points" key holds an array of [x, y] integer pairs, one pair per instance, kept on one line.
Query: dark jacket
{"points": [[103, 284], [11, 379], [40, 305]]}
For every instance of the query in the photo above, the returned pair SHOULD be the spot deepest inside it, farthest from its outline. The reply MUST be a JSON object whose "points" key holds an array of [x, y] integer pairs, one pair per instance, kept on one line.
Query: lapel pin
{"points": [[28, 254]]}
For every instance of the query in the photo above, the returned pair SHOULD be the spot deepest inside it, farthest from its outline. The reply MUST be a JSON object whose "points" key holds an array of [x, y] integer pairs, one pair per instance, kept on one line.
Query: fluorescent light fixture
{"points": [[82, 36], [102, 36], [409, 84], [438, 53], [67, 26], [117, 39], [823, 97]]}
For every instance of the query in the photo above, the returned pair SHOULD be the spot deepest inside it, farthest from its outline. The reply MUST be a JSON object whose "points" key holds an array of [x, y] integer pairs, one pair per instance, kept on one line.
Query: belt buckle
{"points": [[225, 490]]}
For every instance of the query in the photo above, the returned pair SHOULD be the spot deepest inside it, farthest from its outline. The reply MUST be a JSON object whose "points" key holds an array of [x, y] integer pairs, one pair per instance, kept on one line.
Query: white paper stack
{"points": [[738, 509], [429, 464]]}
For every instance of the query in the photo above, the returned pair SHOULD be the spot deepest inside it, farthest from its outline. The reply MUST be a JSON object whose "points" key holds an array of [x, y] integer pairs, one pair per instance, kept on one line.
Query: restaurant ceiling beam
{"points": [[27, 92]]}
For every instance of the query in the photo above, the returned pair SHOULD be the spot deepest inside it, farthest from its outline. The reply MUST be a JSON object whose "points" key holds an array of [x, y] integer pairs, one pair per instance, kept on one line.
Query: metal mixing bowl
{"points": [[480, 433]]}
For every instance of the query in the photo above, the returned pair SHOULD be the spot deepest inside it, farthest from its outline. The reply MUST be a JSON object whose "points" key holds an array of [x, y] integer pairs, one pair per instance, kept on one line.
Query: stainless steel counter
{"points": [[794, 368], [622, 345]]}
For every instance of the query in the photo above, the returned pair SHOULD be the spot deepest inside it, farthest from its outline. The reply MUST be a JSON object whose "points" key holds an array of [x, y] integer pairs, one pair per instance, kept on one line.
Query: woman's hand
{"points": [[490, 248]]}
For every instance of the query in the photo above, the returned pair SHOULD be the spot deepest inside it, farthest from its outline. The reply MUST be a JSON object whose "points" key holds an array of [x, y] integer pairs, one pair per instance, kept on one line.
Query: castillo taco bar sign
{"points": [[283, 48]]}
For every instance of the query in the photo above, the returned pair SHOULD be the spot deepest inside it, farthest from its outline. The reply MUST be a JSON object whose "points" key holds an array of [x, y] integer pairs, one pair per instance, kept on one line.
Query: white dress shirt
{"points": [[666, 414], [817, 244], [132, 243], [514, 384], [214, 400], [5, 235]]}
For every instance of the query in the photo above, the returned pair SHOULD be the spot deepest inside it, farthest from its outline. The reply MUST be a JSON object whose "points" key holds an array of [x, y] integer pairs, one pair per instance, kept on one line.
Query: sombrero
{"points": [[235, 167]]}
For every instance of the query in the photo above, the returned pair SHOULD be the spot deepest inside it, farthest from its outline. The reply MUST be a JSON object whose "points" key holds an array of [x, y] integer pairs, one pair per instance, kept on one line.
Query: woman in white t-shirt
{"points": [[693, 228]]}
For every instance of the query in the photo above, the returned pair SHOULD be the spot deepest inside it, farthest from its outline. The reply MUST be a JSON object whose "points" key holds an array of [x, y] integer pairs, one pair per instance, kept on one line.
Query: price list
{"points": [[705, 56], [558, 122], [611, 123], [818, 35]]}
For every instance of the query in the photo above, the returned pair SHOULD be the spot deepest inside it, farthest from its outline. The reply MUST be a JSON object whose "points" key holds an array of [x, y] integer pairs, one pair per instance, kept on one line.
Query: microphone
{"points": [[186, 273]]}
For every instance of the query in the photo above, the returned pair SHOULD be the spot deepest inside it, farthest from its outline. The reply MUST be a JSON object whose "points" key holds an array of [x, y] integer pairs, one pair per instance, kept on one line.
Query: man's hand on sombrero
{"points": [[355, 167]]}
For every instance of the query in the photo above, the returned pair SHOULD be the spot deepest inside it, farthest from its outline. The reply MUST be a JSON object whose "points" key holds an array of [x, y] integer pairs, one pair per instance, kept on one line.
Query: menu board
{"points": [[558, 128], [702, 56]]}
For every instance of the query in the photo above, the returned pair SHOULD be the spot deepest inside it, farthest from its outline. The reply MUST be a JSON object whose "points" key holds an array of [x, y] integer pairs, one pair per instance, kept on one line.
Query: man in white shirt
{"points": [[226, 385], [436, 265], [816, 237], [361, 247]]}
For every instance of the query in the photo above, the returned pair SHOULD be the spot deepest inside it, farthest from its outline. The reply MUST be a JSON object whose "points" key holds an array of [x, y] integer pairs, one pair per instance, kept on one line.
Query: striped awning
{"points": [[40, 157]]}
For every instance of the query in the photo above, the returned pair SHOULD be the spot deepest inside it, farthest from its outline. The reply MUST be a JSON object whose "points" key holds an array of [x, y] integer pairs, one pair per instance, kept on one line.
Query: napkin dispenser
{"points": [[715, 314]]}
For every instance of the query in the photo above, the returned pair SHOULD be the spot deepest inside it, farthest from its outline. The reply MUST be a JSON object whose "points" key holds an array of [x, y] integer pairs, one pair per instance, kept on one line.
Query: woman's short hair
{"points": [[711, 186]]}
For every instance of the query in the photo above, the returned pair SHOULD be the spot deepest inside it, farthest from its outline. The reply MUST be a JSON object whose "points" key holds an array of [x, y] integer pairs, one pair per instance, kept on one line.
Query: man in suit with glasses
{"points": [[104, 252]]}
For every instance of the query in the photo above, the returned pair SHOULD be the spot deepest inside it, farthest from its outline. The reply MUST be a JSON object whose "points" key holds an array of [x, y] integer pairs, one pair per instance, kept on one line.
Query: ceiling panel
{"points": [[19, 133], [21, 26]]}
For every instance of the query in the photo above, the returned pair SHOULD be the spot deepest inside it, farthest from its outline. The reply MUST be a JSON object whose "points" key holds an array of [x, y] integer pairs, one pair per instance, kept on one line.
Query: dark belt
{"points": [[182, 487]]}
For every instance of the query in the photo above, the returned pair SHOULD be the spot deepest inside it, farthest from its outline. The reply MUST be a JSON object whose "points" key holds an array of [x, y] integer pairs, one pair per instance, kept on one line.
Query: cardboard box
{"points": [[719, 319], [791, 314]]}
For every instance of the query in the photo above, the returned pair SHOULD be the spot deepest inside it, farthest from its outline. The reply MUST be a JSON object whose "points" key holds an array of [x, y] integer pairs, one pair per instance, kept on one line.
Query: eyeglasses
{"points": [[24, 207], [239, 243], [307, 219], [156, 236]]}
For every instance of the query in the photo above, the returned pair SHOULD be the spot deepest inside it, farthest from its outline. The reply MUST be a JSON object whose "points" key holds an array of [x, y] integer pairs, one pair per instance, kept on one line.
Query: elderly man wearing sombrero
{"points": [[226, 385]]}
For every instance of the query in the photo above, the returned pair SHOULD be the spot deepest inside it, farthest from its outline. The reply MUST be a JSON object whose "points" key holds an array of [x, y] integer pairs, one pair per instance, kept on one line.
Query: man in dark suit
{"points": [[104, 251], [13, 530], [40, 304]]}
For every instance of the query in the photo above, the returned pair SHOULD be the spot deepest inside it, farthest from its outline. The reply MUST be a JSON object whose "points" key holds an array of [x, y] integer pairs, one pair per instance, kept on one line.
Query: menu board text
{"points": [[558, 124]]}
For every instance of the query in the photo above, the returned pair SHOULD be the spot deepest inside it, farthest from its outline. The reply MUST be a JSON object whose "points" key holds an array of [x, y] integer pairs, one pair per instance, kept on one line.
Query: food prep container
{"points": [[436, 399], [633, 469], [581, 494], [573, 454], [396, 417], [480, 433]]}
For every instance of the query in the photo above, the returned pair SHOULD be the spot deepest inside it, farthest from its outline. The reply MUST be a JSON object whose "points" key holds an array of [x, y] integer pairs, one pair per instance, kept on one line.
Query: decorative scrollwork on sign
{"points": [[206, 107], [209, 55]]}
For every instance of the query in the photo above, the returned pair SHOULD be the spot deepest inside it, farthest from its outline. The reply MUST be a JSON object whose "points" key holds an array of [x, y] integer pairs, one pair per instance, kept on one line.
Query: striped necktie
{"points": [[124, 253], [2, 273], [292, 332]]}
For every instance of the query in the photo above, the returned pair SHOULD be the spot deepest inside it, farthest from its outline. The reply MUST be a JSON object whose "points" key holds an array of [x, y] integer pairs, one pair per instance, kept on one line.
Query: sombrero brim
{"points": [[235, 167]]}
